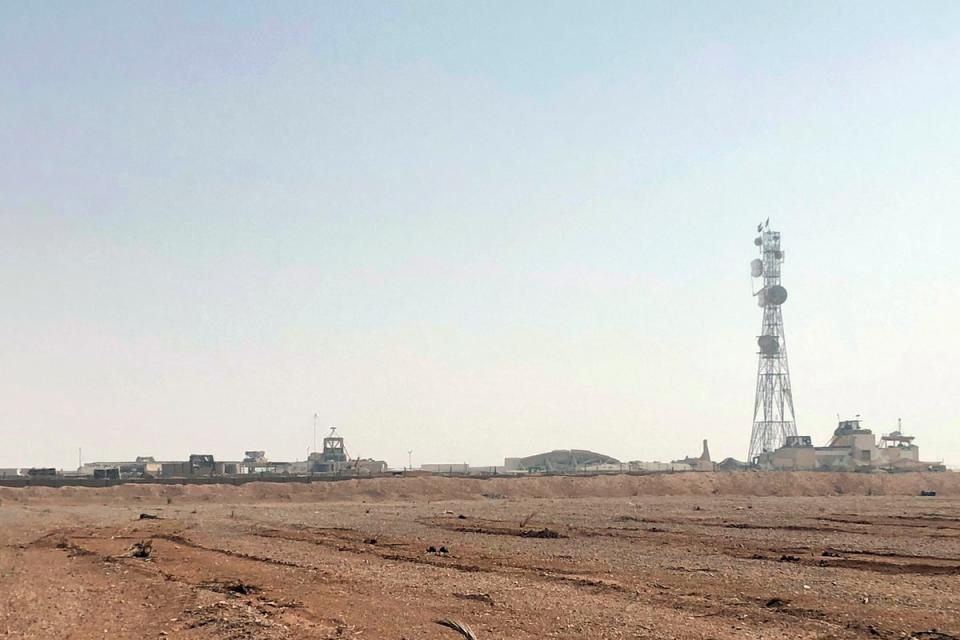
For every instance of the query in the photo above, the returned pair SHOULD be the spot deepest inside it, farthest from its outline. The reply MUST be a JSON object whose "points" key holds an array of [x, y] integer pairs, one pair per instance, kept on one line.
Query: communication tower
{"points": [[773, 418]]}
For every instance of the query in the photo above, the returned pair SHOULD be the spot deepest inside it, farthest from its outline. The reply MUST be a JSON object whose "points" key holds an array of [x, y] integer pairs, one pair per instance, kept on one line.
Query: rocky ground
{"points": [[120, 563]]}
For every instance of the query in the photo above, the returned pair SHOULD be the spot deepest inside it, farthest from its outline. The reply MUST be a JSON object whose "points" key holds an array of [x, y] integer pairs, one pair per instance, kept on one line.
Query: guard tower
{"points": [[773, 418], [333, 449]]}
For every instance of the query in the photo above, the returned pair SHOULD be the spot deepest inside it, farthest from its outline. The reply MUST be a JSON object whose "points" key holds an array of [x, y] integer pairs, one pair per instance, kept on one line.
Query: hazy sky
{"points": [[473, 230]]}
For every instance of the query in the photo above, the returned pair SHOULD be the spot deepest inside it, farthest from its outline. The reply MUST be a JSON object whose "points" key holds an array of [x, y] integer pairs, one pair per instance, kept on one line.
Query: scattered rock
{"points": [[148, 516], [776, 603]]}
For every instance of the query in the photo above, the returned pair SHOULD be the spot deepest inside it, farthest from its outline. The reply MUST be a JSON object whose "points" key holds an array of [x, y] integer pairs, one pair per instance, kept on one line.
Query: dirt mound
{"points": [[442, 488]]}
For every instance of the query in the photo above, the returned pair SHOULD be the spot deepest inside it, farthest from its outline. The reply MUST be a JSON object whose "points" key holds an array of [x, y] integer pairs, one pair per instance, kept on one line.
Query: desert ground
{"points": [[737, 555]]}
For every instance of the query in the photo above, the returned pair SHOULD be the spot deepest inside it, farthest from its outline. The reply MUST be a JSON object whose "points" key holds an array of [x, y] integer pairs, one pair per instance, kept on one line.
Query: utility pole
{"points": [[410, 459]]}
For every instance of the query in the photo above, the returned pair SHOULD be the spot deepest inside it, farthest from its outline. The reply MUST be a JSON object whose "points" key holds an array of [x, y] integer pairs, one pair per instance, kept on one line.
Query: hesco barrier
{"points": [[59, 481], [73, 481]]}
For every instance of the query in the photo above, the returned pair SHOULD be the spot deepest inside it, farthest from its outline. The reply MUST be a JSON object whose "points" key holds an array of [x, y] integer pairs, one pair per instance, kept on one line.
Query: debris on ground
{"points": [[788, 558], [264, 605], [459, 627], [629, 518], [148, 516], [928, 494], [775, 603], [485, 598], [235, 620], [229, 587], [541, 533], [142, 549]]}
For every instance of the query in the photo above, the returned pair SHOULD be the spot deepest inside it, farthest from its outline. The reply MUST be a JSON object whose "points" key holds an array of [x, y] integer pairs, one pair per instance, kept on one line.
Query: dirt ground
{"points": [[693, 557]]}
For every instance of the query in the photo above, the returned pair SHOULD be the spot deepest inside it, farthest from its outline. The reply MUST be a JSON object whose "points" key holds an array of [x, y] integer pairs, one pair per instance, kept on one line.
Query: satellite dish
{"points": [[776, 295], [758, 241], [756, 267], [769, 345]]}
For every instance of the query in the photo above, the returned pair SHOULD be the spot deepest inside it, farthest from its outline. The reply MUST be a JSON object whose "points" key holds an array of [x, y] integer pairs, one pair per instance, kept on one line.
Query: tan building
{"points": [[852, 448], [797, 454]]}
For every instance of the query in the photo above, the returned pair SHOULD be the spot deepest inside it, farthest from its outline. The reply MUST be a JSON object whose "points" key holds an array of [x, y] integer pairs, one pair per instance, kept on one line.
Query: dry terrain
{"points": [[685, 556]]}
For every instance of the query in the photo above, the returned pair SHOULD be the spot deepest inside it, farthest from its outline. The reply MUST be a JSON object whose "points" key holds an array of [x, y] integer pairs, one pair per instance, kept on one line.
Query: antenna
{"points": [[773, 417], [314, 433]]}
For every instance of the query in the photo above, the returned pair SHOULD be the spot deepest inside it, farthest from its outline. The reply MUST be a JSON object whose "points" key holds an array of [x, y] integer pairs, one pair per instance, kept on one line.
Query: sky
{"points": [[470, 231]]}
